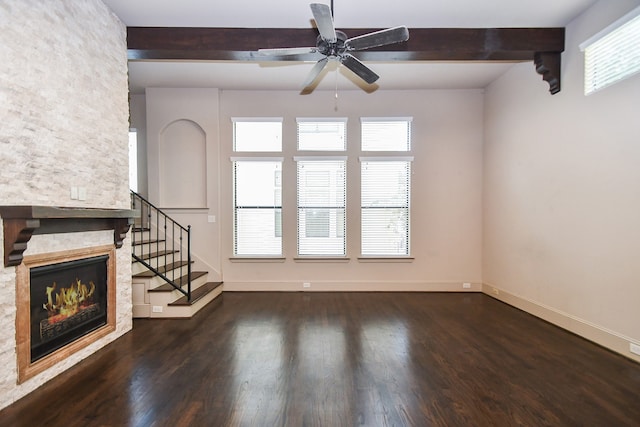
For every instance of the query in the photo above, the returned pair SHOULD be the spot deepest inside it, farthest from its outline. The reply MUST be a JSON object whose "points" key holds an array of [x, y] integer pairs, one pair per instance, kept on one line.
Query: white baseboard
{"points": [[606, 338], [366, 286]]}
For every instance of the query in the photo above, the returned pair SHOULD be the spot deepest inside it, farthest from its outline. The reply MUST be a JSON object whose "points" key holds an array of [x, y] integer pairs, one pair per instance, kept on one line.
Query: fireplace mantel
{"points": [[21, 222]]}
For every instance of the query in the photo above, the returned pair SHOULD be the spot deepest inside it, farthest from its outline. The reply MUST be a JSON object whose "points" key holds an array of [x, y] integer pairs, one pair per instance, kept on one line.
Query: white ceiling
{"points": [[347, 14]]}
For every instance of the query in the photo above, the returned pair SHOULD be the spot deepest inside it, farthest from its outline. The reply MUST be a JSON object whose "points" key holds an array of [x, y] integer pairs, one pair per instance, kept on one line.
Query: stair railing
{"points": [[166, 249]]}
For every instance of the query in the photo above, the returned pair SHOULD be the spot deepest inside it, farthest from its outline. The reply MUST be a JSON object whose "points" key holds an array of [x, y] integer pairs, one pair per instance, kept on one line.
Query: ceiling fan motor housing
{"points": [[332, 50]]}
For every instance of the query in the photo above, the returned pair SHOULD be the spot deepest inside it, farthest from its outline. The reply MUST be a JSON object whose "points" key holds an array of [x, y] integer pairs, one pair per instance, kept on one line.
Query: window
{"points": [[384, 134], [613, 54], [385, 188], [257, 207], [322, 134], [385, 207], [257, 135], [133, 160], [321, 206], [257, 187]]}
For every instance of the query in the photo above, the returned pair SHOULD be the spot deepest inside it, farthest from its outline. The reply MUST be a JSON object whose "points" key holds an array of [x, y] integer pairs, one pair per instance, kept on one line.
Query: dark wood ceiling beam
{"points": [[544, 45]]}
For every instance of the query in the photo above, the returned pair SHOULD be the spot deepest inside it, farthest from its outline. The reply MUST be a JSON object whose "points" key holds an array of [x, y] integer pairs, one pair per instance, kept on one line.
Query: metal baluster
{"points": [[189, 263], [149, 222]]}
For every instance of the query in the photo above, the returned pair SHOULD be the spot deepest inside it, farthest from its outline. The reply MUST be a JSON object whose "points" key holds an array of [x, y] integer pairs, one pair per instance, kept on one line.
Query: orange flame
{"points": [[68, 301]]}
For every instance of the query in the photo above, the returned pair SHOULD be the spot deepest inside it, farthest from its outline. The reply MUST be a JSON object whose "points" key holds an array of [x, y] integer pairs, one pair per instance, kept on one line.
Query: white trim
{"points": [[321, 119], [613, 26], [387, 159], [319, 158], [256, 159], [349, 286], [316, 258], [257, 258], [386, 119], [385, 258], [256, 119], [607, 338]]}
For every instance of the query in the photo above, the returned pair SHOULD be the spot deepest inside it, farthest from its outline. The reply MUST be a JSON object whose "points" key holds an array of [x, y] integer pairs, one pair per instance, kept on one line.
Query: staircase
{"points": [[165, 285]]}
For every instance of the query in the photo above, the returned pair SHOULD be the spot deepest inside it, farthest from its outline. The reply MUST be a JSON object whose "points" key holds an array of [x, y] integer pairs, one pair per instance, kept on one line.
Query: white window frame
{"points": [[275, 207], [408, 120], [364, 252], [612, 54], [382, 155], [236, 120], [300, 120], [333, 204]]}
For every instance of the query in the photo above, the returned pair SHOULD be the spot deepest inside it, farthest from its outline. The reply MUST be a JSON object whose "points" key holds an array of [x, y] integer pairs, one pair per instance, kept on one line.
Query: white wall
{"points": [[194, 113], [138, 121], [63, 103], [446, 196], [446, 190], [561, 200]]}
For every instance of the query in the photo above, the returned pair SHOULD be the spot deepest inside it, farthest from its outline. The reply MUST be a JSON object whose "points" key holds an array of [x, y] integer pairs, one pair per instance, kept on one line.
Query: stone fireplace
{"points": [[65, 301], [65, 298], [55, 137]]}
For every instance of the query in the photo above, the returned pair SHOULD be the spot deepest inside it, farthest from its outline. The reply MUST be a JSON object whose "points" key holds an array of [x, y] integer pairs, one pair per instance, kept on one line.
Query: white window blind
{"points": [[385, 207], [322, 134], [386, 134], [321, 207], [613, 54], [257, 225], [257, 134]]}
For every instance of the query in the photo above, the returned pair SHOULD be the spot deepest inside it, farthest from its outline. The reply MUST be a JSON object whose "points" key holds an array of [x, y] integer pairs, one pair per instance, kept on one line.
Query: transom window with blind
{"points": [[613, 54], [386, 134], [257, 134], [324, 134], [257, 188], [385, 188]]}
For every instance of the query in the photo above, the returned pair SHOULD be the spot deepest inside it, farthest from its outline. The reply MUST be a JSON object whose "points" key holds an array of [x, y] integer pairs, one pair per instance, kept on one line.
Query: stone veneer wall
{"points": [[64, 110]]}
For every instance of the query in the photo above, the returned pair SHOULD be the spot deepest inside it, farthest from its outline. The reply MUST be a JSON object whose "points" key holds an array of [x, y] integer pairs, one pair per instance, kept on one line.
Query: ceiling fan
{"points": [[335, 45]]}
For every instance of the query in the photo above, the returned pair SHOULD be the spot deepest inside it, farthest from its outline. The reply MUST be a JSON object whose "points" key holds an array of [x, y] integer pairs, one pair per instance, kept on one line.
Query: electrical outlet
{"points": [[211, 218], [74, 193], [82, 193], [157, 309], [496, 291], [634, 348], [466, 285], [306, 284]]}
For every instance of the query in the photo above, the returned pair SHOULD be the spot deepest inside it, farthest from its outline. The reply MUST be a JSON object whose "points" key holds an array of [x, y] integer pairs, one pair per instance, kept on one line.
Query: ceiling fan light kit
{"points": [[336, 46]]}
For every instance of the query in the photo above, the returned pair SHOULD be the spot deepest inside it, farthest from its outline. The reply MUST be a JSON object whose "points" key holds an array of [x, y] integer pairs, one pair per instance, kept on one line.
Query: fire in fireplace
{"points": [[67, 301]]}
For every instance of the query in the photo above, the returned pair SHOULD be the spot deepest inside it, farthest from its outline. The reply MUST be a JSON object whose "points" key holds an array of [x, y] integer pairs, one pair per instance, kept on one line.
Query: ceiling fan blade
{"points": [[361, 70], [324, 21], [378, 38], [284, 51], [315, 72]]}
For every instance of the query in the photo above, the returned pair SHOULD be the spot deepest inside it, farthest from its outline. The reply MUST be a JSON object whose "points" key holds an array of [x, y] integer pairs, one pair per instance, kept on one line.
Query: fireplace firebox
{"points": [[65, 301]]}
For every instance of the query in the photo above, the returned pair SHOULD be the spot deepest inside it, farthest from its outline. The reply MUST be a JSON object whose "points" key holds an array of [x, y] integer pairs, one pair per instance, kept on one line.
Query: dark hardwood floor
{"points": [[343, 359]]}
